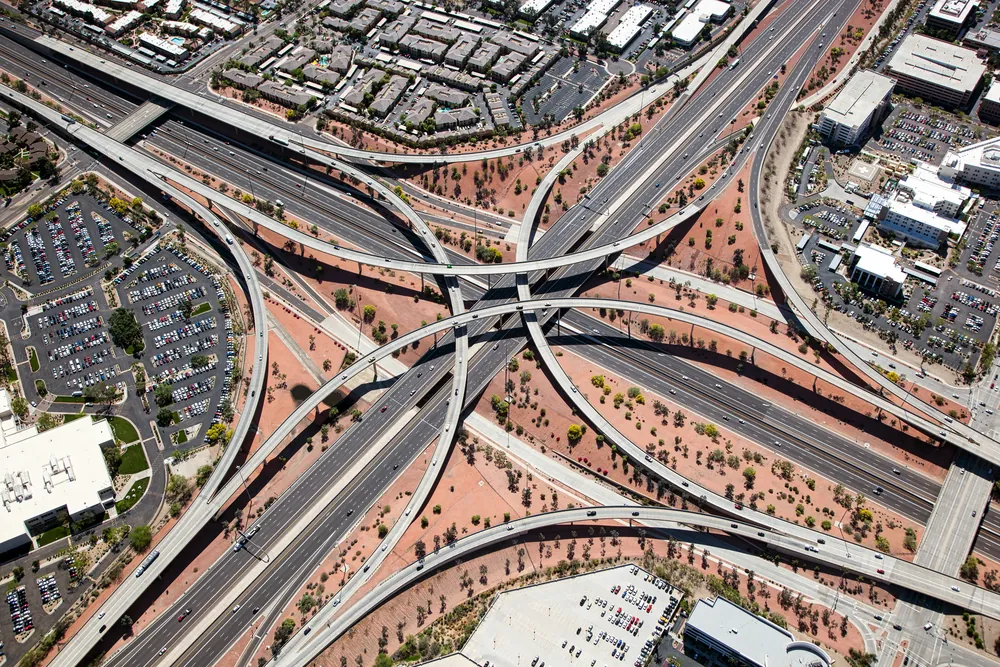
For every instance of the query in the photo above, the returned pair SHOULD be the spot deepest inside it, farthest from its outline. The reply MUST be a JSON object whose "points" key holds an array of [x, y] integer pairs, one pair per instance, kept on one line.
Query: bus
{"points": [[146, 562]]}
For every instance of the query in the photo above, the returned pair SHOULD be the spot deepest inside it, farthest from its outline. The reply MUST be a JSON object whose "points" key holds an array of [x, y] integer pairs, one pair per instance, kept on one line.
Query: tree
{"points": [[342, 299], [19, 406], [656, 332], [204, 472], [125, 329], [369, 313], [383, 660], [163, 394], [100, 393], [750, 475], [46, 421], [970, 569], [112, 459], [199, 361], [187, 308], [140, 537], [282, 635], [164, 417], [178, 488], [574, 433]]}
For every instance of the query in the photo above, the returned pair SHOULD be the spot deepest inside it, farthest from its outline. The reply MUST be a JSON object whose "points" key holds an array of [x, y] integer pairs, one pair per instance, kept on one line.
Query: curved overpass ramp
{"points": [[300, 651]]}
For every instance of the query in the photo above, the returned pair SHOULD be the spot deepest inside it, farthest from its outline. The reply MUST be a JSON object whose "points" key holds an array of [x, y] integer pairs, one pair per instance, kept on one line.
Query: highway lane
{"points": [[547, 236], [709, 406], [477, 377]]}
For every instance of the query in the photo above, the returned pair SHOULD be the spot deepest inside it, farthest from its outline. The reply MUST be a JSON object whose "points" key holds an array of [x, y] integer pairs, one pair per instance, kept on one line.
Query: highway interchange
{"points": [[407, 394]]}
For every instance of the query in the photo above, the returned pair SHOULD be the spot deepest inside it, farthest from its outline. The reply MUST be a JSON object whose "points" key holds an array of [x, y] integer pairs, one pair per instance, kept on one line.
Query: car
{"points": [[384, 408], [350, 512], [956, 589], [183, 615], [162, 651], [880, 571], [256, 609], [101, 615], [237, 608], [738, 506]]}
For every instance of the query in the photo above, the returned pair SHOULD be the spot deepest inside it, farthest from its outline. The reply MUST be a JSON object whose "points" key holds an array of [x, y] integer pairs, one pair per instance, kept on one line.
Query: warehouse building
{"points": [[688, 31], [862, 103], [596, 16], [936, 71], [629, 26], [737, 637], [51, 478]]}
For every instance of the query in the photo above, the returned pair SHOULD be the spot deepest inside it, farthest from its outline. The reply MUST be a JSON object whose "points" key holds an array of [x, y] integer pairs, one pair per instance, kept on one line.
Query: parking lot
{"points": [[560, 90], [611, 616], [978, 260], [71, 342], [834, 222], [65, 244], [34, 603], [189, 339], [913, 133]]}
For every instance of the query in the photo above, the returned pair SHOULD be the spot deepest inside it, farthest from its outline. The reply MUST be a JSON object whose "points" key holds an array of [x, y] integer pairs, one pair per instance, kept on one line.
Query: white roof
{"points": [[125, 21], [862, 93], [534, 7], [40, 472], [993, 92], [952, 11], [715, 10], [629, 25], [928, 188], [686, 32], [939, 63], [902, 205], [596, 15], [756, 639]]}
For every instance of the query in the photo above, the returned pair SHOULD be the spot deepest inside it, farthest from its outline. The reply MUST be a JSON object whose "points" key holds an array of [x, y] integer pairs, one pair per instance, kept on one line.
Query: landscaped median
{"points": [[133, 495]]}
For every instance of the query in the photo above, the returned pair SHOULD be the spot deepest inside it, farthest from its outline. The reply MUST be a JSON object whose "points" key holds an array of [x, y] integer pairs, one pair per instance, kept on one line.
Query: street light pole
{"points": [[239, 471]]}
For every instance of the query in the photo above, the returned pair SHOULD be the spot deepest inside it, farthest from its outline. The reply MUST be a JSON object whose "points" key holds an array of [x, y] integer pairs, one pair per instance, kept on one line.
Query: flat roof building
{"points": [[91, 13], [217, 23], [596, 16], [936, 71], [162, 46], [951, 15], [976, 164], [874, 269], [628, 27], [52, 477], [862, 103], [925, 210], [989, 105], [740, 637], [172, 10], [124, 23], [532, 9]]}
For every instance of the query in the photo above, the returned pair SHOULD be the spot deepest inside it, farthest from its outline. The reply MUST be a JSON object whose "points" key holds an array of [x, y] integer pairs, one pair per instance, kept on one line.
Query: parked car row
{"points": [[178, 374], [80, 233], [49, 589], [36, 247], [174, 300], [200, 387], [64, 316], [155, 273], [20, 614], [73, 330], [161, 287], [164, 320], [78, 365], [67, 265], [86, 343], [186, 331], [68, 299], [194, 410]]}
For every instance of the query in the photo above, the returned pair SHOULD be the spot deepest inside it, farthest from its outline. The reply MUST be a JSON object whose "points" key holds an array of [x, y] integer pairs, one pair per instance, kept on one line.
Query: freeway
{"points": [[562, 240], [839, 555]]}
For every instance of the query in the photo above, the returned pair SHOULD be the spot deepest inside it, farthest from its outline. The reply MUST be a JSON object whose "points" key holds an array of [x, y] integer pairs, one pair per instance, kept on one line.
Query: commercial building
{"points": [[936, 71], [596, 16], [532, 9], [163, 46], [688, 31], [862, 103], [874, 269], [951, 16], [737, 637], [983, 38], [50, 478], [629, 26], [989, 105], [977, 164], [925, 210]]}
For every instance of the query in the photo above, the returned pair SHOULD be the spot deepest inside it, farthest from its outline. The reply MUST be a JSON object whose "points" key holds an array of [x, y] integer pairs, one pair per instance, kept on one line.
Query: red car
{"points": [[183, 615], [384, 407], [880, 571]]}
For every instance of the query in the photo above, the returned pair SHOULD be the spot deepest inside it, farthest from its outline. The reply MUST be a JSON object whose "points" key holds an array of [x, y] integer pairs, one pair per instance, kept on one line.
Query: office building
{"points": [[51, 478], [862, 103], [989, 105], [938, 72], [874, 269], [925, 210], [596, 16], [737, 637], [951, 16]]}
